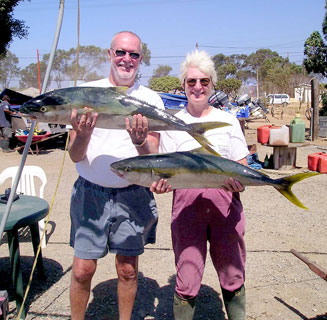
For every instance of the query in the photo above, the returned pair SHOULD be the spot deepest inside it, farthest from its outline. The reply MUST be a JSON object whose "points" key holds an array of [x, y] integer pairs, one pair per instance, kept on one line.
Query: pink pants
{"points": [[201, 215]]}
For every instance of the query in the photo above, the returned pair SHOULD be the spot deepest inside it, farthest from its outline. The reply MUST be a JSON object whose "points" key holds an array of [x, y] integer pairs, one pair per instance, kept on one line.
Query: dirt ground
{"points": [[278, 285]]}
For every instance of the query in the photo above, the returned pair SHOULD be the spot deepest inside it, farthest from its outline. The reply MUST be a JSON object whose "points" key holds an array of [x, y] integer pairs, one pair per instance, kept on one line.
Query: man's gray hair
{"points": [[126, 31], [202, 61]]}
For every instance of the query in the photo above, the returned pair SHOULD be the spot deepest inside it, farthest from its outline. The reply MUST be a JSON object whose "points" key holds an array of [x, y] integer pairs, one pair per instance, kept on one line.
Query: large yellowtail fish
{"points": [[113, 106], [197, 169]]}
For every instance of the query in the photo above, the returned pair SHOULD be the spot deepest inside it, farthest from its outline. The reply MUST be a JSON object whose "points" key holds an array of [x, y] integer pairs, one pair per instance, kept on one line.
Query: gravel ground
{"points": [[279, 286]]}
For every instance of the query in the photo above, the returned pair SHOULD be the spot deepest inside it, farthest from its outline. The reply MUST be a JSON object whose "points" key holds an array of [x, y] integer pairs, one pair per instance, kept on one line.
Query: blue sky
{"points": [[171, 28]]}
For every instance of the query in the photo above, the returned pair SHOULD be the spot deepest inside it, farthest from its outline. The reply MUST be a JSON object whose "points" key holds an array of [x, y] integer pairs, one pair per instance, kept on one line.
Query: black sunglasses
{"points": [[192, 81], [122, 53]]}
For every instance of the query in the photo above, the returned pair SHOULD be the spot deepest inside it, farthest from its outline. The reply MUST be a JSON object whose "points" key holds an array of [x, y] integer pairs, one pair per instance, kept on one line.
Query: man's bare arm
{"points": [[80, 135]]}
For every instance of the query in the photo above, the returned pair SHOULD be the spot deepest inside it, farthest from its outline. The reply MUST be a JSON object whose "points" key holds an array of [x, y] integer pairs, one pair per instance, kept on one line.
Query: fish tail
{"points": [[202, 127], [198, 130], [286, 184]]}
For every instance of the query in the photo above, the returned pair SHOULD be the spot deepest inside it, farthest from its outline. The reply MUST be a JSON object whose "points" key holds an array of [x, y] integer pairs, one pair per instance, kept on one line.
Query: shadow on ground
{"points": [[53, 273], [297, 312], [152, 301]]}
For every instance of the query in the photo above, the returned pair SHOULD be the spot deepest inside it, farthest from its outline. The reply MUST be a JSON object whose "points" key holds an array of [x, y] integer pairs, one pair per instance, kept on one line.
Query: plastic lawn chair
{"points": [[26, 186]]}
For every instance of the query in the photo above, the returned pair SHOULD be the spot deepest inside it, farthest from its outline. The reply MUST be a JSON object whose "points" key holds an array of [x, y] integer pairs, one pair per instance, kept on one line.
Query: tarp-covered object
{"points": [[16, 98]]}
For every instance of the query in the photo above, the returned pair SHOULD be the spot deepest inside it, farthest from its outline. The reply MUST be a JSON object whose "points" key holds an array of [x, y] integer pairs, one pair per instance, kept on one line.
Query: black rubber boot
{"points": [[183, 308], [235, 303]]}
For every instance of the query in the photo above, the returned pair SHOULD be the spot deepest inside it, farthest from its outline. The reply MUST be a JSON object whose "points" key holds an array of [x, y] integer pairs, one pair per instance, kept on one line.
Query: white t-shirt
{"points": [[107, 146], [228, 141]]}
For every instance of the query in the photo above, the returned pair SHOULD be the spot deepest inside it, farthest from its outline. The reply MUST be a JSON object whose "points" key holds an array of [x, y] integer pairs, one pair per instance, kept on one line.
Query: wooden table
{"points": [[285, 156], [26, 211]]}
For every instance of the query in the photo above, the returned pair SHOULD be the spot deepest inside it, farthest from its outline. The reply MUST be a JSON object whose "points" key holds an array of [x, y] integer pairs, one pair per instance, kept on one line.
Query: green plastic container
{"points": [[297, 129]]}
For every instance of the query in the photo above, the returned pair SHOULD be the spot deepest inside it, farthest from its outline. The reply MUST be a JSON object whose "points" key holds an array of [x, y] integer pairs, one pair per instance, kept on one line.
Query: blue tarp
{"points": [[173, 101]]}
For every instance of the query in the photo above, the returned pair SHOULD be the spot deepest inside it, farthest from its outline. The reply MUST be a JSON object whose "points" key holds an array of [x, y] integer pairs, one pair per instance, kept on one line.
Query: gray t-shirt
{"points": [[4, 123]]}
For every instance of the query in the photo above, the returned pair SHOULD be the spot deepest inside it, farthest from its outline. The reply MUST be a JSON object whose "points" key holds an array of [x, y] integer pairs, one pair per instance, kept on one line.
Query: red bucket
{"points": [[313, 160], [322, 163], [263, 133]]}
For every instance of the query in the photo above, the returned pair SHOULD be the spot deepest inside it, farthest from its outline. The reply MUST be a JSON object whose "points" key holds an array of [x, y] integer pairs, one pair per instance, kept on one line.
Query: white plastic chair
{"points": [[26, 185]]}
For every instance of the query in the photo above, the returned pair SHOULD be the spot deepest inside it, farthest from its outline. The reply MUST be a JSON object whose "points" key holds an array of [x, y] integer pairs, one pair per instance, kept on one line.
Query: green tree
{"points": [[225, 66], [258, 62], [8, 69], [146, 54], [162, 71], [315, 50], [165, 84], [230, 86], [60, 65], [91, 60], [29, 75], [315, 54], [9, 26], [283, 77]]}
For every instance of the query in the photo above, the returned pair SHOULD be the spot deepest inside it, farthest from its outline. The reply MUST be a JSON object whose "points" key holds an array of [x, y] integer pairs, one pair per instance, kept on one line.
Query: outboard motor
{"points": [[244, 99], [258, 103], [220, 99]]}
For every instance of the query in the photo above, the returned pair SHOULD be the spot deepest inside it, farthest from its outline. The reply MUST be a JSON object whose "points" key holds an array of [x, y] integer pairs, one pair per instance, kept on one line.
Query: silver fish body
{"points": [[112, 106], [199, 170]]}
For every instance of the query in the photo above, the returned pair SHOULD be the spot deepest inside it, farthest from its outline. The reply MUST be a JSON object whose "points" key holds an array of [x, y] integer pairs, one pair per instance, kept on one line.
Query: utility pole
{"points": [[315, 108], [257, 84]]}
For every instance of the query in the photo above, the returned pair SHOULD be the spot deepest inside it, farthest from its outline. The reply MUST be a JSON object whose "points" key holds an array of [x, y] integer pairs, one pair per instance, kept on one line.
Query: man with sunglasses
{"points": [[107, 213], [207, 215]]}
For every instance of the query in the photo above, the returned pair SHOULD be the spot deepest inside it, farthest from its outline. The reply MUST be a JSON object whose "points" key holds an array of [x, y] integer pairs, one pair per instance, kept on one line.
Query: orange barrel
{"points": [[313, 160], [322, 164], [263, 133]]}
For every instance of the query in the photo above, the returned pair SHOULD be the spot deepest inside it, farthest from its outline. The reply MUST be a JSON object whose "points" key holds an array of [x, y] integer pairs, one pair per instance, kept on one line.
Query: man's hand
{"points": [[85, 125], [233, 185], [160, 187], [138, 129]]}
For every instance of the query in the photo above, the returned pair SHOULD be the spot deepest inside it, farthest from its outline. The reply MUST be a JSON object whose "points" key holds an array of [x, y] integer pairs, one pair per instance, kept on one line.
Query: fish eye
{"points": [[128, 169], [43, 109]]}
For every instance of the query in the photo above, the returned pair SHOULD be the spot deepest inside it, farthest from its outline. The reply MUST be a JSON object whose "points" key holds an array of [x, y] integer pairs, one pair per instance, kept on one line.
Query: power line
{"points": [[54, 6]]}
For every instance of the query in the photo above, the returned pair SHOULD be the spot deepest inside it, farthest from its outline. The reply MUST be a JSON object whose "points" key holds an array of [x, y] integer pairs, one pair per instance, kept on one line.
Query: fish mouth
{"points": [[117, 172]]}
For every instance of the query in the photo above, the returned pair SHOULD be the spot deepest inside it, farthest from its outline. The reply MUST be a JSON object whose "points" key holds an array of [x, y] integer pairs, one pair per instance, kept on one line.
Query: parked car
{"points": [[279, 98]]}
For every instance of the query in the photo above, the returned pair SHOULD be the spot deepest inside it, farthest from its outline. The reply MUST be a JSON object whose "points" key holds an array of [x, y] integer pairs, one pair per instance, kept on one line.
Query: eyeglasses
{"points": [[122, 53], [192, 81]]}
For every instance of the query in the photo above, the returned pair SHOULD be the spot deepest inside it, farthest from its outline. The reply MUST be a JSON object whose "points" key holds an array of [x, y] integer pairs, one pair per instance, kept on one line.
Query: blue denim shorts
{"points": [[118, 220]]}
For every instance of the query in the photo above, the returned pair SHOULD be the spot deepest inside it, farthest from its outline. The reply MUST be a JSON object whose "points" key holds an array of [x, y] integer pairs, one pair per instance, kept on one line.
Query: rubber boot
{"points": [[235, 303], [183, 308], [5, 146]]}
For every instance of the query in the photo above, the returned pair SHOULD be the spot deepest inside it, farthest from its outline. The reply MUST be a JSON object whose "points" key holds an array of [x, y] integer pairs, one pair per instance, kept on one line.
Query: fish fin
{"points": [[120, 89], [205, 143], [286, 185], [204, 150], [162, 174], [202, 127], [165, 175], [198, 130]]}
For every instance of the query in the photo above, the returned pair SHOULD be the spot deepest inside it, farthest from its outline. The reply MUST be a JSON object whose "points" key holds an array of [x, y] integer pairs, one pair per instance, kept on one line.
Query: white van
{"points": [[279, 98]]}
